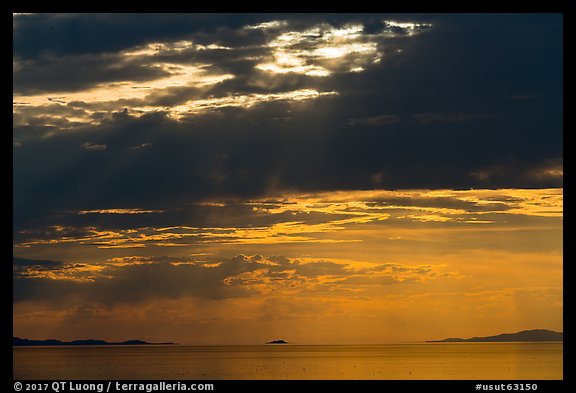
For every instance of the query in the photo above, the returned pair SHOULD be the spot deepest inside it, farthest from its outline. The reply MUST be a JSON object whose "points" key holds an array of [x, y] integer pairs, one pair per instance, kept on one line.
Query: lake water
{"points": [[521, 361]]}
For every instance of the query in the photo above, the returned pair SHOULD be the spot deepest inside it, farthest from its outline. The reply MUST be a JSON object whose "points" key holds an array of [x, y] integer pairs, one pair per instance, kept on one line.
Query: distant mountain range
{"points": [[523, 336], [24, 342], [277, 342]]}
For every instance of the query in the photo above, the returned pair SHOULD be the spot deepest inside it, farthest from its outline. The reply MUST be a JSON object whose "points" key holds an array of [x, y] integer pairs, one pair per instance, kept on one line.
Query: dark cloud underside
{"points": [[145, 110]]}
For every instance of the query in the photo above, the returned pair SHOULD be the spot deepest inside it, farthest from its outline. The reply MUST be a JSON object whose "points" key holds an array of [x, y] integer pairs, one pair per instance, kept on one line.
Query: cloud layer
{"points": [[137, 279], [225, 105], [238, 174]]}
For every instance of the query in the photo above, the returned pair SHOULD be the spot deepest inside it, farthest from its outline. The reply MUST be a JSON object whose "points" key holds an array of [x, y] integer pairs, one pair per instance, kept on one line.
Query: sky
{"points": [[317, 178]]}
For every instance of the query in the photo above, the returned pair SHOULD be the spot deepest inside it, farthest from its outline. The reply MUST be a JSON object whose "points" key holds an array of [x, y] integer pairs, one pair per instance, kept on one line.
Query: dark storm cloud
{"points": [[73, 73], [431, 110], [71, 59], [100, 33]]}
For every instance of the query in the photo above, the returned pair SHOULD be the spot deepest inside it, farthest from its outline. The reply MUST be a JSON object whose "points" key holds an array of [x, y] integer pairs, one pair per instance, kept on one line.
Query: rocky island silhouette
{"points": [[523, 336]]}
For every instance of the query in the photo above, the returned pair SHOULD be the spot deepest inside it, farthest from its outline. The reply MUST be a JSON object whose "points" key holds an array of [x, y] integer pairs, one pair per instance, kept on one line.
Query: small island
{"points": [[277, 342], [536, 335], [24, 342]]}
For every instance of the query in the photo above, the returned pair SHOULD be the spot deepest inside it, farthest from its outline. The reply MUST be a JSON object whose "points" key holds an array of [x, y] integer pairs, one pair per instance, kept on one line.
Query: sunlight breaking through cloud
{"points": [[180, 66], [327, 178], [317, 218], [313, 52]]}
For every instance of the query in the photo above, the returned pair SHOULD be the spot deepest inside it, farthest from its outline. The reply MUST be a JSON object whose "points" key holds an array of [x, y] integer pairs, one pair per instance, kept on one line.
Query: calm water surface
{"points": [[525, 361]]}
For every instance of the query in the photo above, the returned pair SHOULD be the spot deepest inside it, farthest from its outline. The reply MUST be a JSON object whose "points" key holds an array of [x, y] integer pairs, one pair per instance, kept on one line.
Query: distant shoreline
{"points": [[536, 335], [527, 336], [24, 342]]}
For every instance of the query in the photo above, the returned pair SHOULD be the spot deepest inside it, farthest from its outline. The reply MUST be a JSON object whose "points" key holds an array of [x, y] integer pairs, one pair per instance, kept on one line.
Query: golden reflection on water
{"points": [[527, 361]]}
